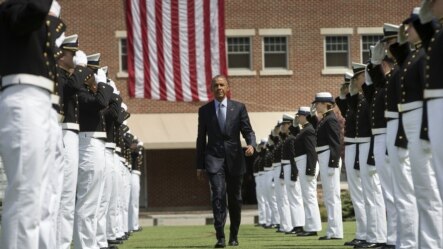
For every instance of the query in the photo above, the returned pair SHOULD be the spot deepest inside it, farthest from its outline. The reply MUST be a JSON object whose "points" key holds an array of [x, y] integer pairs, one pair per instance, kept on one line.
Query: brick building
{"points": [[279, 53]]}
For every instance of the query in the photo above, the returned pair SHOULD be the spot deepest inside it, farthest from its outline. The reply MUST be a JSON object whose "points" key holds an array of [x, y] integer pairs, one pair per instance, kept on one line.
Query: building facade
{"points": [[280, 53]]}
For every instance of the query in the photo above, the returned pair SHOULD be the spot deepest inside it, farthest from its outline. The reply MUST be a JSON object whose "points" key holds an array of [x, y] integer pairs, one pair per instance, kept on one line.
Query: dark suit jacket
{"points": [[221, 148]]}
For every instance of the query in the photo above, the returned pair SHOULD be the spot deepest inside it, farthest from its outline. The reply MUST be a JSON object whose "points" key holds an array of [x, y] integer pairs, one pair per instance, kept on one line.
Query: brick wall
{"points": [[96, 23]]}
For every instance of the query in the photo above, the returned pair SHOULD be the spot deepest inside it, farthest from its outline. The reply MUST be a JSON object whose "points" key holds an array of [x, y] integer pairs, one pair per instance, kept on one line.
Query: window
{"points": [[337, 51], [123, 55], [239, 52], [366, 42], [275, 52]]}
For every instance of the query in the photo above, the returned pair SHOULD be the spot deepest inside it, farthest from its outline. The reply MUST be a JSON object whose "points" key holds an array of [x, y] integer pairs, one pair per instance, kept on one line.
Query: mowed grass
{"points": [[249, 237]]}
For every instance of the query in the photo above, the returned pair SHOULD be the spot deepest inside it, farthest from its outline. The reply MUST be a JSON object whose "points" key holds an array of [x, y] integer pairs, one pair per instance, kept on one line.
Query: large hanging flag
{"points": [[175, 47]]}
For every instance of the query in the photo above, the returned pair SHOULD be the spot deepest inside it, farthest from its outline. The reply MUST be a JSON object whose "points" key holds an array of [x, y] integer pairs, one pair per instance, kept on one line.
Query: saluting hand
{"points": [[249, 150]]}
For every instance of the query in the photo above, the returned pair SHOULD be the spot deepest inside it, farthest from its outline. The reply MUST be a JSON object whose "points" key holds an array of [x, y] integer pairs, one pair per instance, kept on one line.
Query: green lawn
{"points": [[249, 237]]}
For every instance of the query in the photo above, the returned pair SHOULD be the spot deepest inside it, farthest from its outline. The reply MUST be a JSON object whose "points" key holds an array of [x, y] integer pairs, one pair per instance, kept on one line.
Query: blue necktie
{"points": [[221, 116]]}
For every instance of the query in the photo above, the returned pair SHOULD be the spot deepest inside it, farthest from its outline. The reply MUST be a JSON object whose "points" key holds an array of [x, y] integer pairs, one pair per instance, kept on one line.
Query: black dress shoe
{"points": [[220, 243], [112, 247], [370, 245], [355, 242], [233, 242], [388, 247], [306, 234], [328, 238], [115, 242]]}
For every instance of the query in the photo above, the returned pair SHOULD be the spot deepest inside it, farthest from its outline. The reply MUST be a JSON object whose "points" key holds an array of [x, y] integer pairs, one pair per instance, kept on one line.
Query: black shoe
{"points": [[280, 231], [355, 242], [328, 238], [388, 247], [124, 237], [112, 247], [306, 234], [233, 242], [115, 242], [370, 245], [220, 243]]}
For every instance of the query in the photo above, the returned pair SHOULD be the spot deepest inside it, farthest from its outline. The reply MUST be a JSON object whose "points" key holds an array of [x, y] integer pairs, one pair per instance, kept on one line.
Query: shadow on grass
{"points": [[156, 246]]}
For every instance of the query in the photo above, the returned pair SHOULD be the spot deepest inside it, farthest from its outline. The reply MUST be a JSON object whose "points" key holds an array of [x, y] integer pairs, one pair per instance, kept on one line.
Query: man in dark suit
{"points": [[221, 155]]}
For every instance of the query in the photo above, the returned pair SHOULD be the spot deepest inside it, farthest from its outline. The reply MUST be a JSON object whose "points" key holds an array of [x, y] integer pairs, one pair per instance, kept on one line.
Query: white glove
{"points": [[55, 8], [426, 146], [357, 172], [378, 53], [100, 76], [80, 59], [401, 37], [425, 13], [353, 90], [59, 40], [112, 83], [331, 171], [371, 170], [368, 79]]}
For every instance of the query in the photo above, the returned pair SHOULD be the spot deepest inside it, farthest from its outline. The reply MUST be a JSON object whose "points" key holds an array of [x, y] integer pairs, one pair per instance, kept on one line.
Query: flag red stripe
{"points": [[144, 35], [191, 50], [221, 37], [160, 52], [207, 42], [176, 50], [130, 48]]}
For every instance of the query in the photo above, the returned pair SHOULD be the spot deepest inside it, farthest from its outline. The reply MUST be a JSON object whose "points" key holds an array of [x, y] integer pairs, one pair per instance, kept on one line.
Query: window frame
{"points": [[287, 33], [233, 33], [120, 35], [331, 32]]}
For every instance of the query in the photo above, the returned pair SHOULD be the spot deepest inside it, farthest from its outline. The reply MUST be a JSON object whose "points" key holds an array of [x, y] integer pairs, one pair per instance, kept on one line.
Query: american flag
{"points": [[175, 47]]}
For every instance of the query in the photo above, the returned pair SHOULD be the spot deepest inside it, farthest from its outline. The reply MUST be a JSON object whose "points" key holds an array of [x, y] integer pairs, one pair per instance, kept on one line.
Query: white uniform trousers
{"points": [[113, 214], [308, 186], [356, 191], [294, 197], [386, 178], [429, 203], [52, 195], [274, 217], [65, 221], [374, 205], [125, 196], [102, 240], [120, 197], [134, 200], [261, 204], [282, 201], [89, 184], [331, 195], [404, 194], [435, 119], [25, 136]]}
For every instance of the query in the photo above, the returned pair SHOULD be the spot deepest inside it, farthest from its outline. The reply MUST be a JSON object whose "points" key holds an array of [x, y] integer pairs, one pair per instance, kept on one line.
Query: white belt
{"points": [[276, 165], [118, 149], [71, 126], [389, 114], [136, 172], [433, 93], [29, 79], [349, 140], [255, 174], [55, 99], [268, 168], [322, 148], [110, 145], [261, 173], [378, 131], [410, 106], [363, 139], [122, 159], [94, 134], [285, 161]]}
